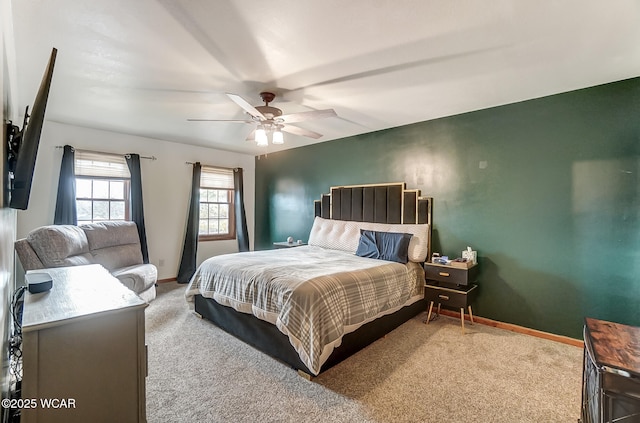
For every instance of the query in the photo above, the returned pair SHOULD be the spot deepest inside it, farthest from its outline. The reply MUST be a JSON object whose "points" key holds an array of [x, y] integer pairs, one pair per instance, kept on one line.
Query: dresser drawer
{"points": [[450, 275], [454, 298]]}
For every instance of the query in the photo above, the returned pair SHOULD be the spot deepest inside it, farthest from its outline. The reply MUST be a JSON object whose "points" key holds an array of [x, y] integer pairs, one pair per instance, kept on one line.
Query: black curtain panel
{"points": [[190, 249], [66, 213], [241, 218], [136, 208]]}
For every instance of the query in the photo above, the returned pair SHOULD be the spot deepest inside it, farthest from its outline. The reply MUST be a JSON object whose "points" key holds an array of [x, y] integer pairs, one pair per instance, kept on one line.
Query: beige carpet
{"points": [[417, 373]]}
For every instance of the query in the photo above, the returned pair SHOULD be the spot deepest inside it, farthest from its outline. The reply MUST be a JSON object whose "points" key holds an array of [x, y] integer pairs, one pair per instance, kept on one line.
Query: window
{"points": [[102, 187], [216, 204]]}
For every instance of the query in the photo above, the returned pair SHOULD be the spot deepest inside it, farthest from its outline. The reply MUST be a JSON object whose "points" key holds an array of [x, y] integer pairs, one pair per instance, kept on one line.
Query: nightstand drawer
{"points": [[454, 298], [450, 275]]}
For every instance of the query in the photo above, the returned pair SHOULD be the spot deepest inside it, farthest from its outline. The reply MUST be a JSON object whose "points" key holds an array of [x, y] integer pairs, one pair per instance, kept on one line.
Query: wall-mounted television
{"points": [[22, 144]]}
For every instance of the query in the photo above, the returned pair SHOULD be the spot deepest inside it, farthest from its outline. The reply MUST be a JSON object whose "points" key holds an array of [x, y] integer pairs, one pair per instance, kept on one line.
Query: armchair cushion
{"points": [[114, 244], [60, 245]]}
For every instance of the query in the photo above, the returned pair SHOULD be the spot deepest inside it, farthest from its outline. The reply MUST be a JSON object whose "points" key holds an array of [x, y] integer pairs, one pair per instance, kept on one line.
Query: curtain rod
{"points": [[115, 154], [235, 169]]}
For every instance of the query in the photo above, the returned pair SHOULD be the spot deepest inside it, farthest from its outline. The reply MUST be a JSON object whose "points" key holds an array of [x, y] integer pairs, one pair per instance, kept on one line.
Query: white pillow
{"points": [[344, 235]]}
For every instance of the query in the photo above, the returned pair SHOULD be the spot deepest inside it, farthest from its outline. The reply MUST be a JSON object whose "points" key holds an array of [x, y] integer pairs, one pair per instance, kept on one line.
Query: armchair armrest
{"points": [[28, 257]]}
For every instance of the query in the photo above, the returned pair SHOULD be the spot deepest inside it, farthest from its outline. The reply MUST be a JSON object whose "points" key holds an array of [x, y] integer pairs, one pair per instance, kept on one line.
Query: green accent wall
{"points": [[546, 190]]}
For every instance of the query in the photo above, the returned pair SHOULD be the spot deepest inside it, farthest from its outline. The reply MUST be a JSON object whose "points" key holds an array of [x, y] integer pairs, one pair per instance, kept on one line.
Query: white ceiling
{"points": [[143, 67]]}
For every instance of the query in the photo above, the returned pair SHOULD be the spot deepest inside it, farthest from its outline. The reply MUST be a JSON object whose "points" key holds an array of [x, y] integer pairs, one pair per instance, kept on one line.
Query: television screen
{"points": [[30, 139]]}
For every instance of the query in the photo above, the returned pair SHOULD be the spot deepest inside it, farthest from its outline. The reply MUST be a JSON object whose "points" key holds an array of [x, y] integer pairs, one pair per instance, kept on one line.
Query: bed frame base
{"points": [[267, 338]]}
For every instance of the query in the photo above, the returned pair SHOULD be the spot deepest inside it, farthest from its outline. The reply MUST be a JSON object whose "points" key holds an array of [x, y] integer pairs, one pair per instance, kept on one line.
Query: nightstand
{"points": [[452, 287], [286, 244]]}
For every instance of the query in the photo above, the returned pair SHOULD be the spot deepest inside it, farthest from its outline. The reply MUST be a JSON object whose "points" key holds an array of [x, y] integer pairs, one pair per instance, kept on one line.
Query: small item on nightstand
{"points": [[290, 240], [461, 263], [299, 242], [440, 260], [470, 255]]}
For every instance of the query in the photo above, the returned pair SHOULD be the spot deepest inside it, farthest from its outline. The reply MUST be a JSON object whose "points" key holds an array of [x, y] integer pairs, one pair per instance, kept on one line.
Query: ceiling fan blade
{"points": [[314, 114], [300, 131], [246, 106], [221, 120]]}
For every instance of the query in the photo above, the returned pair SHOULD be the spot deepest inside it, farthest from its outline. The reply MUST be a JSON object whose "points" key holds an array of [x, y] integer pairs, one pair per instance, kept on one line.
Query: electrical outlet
{"points": [[161, 262]]}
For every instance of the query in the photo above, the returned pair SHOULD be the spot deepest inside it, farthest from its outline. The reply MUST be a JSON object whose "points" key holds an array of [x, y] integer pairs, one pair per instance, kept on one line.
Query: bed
{"points": [[313, 306]]}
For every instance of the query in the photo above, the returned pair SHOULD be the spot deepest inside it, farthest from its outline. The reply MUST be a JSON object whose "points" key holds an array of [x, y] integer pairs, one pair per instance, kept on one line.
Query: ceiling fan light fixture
{"points": [[277, 137], [270, 120], [261, 137]]}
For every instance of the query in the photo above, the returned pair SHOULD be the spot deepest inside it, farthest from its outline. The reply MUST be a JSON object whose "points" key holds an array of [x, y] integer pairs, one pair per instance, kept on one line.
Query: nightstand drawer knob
{"points": [[443, 274], [443, 297]]}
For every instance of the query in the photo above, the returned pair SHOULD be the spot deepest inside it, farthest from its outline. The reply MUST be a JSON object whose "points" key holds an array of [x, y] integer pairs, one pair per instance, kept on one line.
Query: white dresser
{"points": [[84, 354]]}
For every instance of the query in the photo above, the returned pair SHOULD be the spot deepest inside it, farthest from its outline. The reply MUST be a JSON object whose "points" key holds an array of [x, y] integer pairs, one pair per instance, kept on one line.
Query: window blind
{"points": [[91, 163], [216, 177]]}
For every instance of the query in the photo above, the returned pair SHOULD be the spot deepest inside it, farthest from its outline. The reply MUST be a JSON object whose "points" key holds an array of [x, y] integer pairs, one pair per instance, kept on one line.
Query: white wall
{"points": [[166, 184]]}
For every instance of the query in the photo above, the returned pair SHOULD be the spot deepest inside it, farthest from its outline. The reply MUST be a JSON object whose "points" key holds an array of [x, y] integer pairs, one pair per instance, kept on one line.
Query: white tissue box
{"points": [[472, 256]]}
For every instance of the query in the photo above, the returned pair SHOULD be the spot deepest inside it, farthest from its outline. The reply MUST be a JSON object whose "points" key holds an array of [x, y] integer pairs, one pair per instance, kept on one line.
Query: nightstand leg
{"points": [[429, 314], [462, 319], [470, 315]]}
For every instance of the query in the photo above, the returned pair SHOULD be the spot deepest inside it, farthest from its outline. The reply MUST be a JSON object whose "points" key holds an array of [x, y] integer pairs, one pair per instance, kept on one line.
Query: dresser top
{"points": [[77, 292], [615, 345]]}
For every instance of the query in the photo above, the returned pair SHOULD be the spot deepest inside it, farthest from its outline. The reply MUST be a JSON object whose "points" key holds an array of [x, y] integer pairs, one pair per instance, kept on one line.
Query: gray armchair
{"points": [[114, 245]]}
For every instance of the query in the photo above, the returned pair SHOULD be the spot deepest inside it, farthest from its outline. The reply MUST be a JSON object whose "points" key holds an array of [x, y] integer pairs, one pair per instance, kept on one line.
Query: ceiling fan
{"points": [[271, 121]]}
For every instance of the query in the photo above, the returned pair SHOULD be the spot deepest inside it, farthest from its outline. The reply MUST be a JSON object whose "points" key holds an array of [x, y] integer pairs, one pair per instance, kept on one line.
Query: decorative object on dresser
{"points": [[452, 287], [611, 375], [113, 244], [38, 282], [312, 336], [84, 344]]}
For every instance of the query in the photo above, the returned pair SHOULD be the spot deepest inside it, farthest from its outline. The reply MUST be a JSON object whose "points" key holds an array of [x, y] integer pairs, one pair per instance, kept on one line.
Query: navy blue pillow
{"points": [[367, 246], [390, 246]]}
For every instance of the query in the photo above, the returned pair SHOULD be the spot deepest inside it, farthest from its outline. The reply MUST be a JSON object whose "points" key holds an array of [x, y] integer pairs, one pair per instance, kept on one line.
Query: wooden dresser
{"points": [[84, 354], [611, 377]]}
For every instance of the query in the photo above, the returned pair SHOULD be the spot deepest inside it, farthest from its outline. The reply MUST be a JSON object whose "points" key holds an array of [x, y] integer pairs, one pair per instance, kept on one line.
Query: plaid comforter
{"points": [[313, 295]]}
